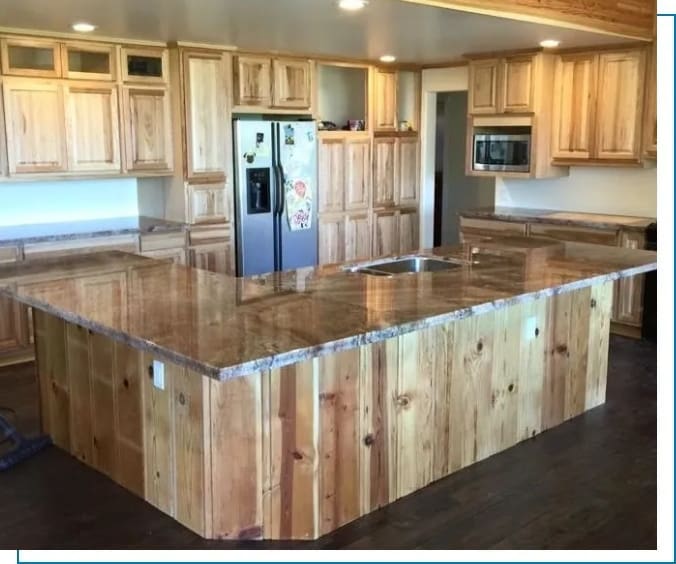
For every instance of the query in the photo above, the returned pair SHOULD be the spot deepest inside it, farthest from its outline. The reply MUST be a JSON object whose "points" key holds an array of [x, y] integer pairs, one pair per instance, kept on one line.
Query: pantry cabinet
{"points": [[598, 106], [35, 126], [385, 171], [331, 159], [147, 129], [357, 236], [357, 173], [408, 227], [407, 168], [92, 125], [206, 105], [331, 234]]}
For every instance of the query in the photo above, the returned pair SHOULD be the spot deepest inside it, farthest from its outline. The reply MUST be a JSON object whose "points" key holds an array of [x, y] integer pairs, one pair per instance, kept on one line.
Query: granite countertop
{"points": [[578, 219], [227, 327], [44, 232]]}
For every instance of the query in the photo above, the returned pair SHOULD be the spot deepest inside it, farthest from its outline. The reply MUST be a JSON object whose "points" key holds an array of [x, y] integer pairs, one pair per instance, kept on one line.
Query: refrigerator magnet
{"points": [[289, 135]]}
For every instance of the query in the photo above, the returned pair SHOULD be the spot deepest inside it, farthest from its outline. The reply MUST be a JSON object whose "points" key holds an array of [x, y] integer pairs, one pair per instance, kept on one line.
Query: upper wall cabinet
{"points": [[205, 84], [262, 82], [395, 100], [650, 113], [92, 125], [252, 81], [147, 129], [30, 57], [385, 98], [35, 126], [90, 61], [598, 106], [504, 85], [144, 65], [291, 83]]}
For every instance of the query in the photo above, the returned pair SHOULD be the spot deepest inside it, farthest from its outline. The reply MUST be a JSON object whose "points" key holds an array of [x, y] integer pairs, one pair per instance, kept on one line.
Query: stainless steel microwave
{"points": [[501, 152]]}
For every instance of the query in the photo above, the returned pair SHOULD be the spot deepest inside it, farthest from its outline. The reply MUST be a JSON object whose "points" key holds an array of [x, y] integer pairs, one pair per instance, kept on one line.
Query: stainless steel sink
{"points": [[409, 265]]}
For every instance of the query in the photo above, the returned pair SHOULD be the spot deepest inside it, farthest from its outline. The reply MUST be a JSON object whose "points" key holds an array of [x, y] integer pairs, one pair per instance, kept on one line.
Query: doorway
{"points": [[453, 190]]}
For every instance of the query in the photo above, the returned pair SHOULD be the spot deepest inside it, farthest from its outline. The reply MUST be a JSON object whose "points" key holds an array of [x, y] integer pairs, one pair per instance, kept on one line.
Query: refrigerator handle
{"points": [[280, 169]]}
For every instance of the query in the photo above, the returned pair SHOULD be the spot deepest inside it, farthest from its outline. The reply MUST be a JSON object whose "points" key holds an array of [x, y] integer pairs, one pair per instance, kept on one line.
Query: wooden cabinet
{"points": [[572, 233], [502, 85], [31, 57], [628, 306], [650, 103], [93, 133], [331, 160], [357, 173], [215, 257], [385, 232], [205, 88], [35, 126], [89, 61], [13, 327], [145, 65], [252, 81], [357, 236], [147, 129], [517, 84], [176, 256], [598, 106], [483, 86], [291, 83], [408, 171], [619, 110], [208, 203], [408, 227], [385, 99], [574, 106], [331, 234], [384, 171]]}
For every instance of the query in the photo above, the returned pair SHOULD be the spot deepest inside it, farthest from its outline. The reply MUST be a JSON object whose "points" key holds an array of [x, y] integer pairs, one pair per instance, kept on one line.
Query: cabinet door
{"points": [[629, 291], [207, 125], [148, 140], [408, 172], [177, 256], [385, 97], [357, 237], [30, 57], [207, 203], [572, 233], [93, 127], [408, 231], [13, 326], [517, 84], [385, 232], [36, 126], [292, 83], [89, 61], [650, 102], [357, 174], [483, 86], [105, 288], [475, 229], [620, 104], [145, 65], [252, 81], [573, 110], [331, 175], [215, 257], [331, 239], [384, 172]]}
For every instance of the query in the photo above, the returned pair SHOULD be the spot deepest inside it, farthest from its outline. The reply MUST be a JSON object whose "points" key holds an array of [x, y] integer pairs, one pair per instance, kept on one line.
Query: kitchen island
{"points": [[286, 405]]}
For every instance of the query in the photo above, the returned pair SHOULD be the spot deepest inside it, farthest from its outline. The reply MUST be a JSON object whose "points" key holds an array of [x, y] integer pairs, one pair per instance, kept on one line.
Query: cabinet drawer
{"points": [[489, 227], [207, 203], [126, 243], [210, 234], [578, 234], [161, 241]]}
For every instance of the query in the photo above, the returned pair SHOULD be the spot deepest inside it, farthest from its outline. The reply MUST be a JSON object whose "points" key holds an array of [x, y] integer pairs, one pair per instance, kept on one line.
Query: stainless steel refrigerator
{"points": [[276, 195]]}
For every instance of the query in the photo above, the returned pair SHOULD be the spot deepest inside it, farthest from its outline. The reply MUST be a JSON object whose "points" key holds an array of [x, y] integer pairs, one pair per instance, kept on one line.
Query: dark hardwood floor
{"points": [[590, 483]]}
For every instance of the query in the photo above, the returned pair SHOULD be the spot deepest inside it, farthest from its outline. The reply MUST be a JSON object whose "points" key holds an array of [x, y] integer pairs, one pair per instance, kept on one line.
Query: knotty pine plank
{"points": [[77, 349]]}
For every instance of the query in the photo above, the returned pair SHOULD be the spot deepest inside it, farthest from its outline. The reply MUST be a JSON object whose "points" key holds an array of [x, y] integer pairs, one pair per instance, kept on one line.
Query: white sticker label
{"points": [[158, 374]]}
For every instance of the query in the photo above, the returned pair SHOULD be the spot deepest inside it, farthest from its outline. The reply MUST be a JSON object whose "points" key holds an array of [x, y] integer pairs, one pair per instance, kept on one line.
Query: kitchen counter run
{"points": [[226, 327]]}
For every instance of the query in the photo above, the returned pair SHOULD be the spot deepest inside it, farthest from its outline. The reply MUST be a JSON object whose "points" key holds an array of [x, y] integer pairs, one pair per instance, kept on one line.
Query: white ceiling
{"points": [[414, 33]]}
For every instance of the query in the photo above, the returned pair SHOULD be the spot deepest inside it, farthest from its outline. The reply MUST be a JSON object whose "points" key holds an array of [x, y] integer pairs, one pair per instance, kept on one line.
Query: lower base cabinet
{"points": [[395, 231], [344, 237], [215, 257]]}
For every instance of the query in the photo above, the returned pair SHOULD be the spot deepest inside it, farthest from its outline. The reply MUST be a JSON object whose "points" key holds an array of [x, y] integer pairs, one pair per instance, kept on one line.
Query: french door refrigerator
{"points": [[276, 195]]}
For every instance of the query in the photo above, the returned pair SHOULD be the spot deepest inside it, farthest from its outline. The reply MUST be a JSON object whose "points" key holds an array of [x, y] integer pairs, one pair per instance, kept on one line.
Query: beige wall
{"points": [[627, 191]]}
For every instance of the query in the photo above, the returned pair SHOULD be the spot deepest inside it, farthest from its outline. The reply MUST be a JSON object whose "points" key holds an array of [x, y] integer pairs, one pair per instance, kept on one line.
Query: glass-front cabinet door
{"points": [[30, 57], [144, 65], [90, 61]]}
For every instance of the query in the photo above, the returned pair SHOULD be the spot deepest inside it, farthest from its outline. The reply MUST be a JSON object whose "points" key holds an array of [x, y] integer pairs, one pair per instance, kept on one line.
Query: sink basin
{"points": [[410, 265]]}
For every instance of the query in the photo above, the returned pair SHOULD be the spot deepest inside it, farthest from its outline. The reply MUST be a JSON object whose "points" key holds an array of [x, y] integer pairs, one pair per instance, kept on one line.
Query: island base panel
{"points": [[298, 451]]}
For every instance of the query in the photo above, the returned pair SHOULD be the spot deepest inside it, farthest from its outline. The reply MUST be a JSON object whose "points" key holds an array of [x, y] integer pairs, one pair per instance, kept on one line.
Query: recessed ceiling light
{"points": [[83, 27], [388, 59], [352, 5], [549, 43]]}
